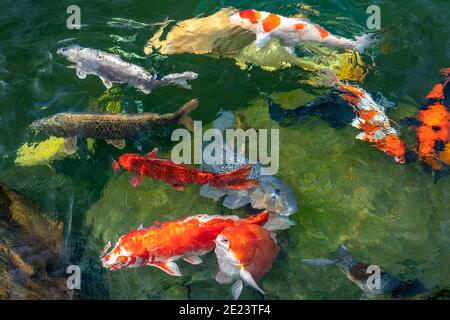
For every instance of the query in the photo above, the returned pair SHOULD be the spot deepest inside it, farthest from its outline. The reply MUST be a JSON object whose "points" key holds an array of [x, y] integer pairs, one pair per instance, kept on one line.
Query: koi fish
{"points": [[358, 272], [112, 69], [292, 31], [433, 125], [178, 175], [245, 254], [163, 244], [271, 193], [112, 127], [371, 118]]}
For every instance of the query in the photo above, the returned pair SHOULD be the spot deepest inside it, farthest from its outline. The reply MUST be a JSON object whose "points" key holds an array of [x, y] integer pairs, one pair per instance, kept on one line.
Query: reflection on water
{"points": [[396, 216]]}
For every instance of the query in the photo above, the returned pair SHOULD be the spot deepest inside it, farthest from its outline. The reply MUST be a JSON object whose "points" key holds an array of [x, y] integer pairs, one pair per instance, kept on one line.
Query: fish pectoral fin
{"points": [[195, 260], [223, 278], [108, 84], [136, 179], [81, 74], [211, 193], [291, 50], [361, 136], [153, 153], [262, 39], [168, 267], [236, 289], [248, 279], [178, 187], [70, 145], [235, 200], [118, 143]]}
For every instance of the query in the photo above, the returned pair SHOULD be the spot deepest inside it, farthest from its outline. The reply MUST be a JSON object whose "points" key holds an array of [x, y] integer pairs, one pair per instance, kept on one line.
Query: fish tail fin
{"points": [[182, 114], [260, 219], [363, 42], [236, 179], [180, 79], [344, 255]]}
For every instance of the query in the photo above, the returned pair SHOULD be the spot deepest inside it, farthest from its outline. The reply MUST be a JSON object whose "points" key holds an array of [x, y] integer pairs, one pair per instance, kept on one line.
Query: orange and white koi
{"points": [[245, 254], [372, 120], [292, 31], [433, 131], [164, 243]]}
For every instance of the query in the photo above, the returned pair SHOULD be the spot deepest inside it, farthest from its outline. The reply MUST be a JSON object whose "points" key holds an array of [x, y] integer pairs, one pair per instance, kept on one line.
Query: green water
{"points": [[395, 216]]}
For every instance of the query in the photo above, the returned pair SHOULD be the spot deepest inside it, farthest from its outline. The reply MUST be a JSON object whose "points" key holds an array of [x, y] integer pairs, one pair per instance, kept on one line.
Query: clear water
{"points": [[395, 216]]}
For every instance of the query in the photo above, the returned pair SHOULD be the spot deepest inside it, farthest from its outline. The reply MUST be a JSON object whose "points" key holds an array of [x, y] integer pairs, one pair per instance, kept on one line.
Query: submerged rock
{"points": [[31, 246]]}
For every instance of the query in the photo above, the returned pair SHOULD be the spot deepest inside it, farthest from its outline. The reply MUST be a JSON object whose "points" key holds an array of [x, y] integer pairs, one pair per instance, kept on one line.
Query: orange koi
{"points": [[164, 243], [245, 254], [433, 133]]}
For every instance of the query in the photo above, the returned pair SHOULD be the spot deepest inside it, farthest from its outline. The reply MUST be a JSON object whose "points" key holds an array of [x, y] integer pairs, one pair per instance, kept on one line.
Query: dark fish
{"points": [[391, 287], [330, 108], [112, 127]]}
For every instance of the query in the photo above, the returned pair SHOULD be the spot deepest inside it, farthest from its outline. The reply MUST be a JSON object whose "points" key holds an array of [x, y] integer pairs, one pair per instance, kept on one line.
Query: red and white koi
{"points": [[164, 243], [292, 31], [245, 254], [372, 120]]}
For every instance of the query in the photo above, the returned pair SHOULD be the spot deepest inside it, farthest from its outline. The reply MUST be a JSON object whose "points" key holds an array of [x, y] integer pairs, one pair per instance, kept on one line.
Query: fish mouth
{"points": [[289, 211]]}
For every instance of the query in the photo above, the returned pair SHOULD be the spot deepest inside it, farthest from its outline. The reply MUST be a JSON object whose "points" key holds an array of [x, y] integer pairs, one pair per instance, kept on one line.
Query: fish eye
{"points": [[122, 259], [277, 192], [223, 240]]}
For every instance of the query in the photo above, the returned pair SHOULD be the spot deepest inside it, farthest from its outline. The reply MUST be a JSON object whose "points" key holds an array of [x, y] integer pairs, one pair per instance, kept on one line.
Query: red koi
{"points": [[178, 175]]}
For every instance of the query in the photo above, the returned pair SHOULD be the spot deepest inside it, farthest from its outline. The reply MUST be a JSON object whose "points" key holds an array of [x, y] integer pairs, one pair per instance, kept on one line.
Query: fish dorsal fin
{"points": [[248, 279], [141, 226], [236, 289], [168, 267]]}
